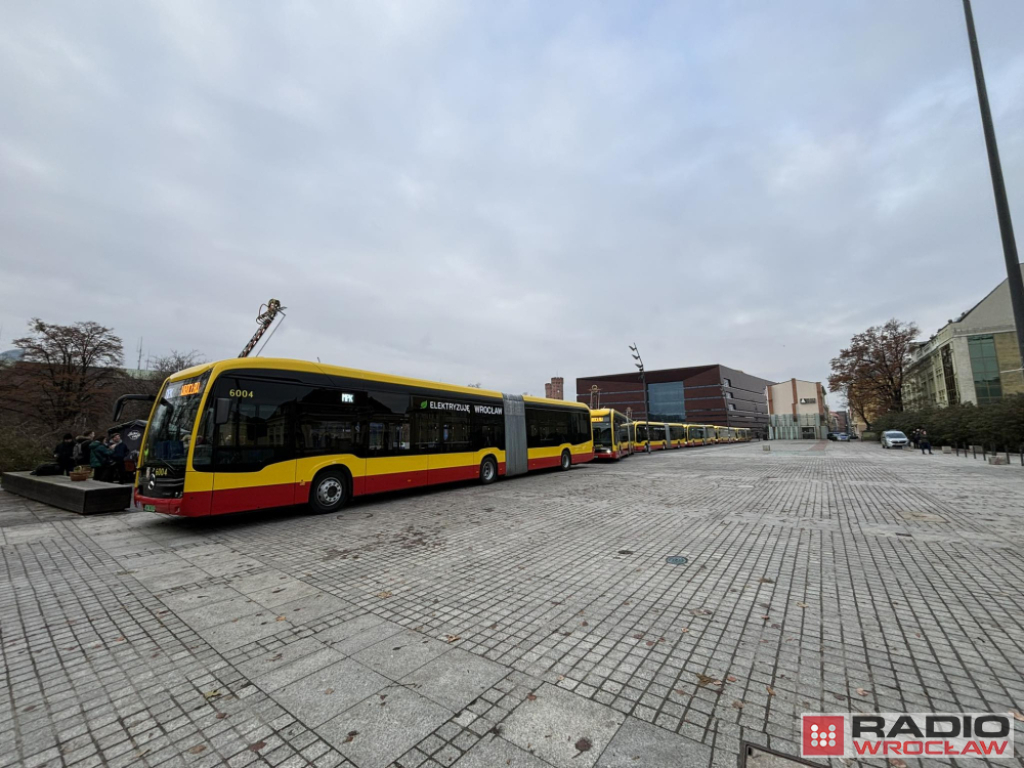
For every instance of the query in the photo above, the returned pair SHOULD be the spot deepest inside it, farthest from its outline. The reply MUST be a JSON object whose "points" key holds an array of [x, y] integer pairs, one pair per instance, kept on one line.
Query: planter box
{"points": [[86, 497]]}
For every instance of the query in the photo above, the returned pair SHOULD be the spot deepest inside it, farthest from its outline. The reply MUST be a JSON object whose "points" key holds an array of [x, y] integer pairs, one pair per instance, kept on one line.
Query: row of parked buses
{"points": [[252, 433], [616, 436]]}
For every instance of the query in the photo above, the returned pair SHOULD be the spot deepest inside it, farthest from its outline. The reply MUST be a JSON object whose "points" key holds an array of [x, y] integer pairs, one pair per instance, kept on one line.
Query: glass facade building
{"points": [[985, 367], [667, 401]]}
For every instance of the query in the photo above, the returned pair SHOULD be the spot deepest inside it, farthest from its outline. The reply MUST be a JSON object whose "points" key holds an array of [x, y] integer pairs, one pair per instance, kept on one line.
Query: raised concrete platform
{"points": [[85, 497]]}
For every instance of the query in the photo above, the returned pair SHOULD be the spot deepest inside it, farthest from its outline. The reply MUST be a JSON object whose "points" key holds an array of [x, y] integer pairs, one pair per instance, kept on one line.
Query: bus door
{"points": [[395, 437], [254, 445]]}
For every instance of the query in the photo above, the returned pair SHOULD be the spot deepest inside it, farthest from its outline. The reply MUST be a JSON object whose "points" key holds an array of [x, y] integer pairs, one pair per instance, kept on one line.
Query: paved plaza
{"points": [[533, 622]]}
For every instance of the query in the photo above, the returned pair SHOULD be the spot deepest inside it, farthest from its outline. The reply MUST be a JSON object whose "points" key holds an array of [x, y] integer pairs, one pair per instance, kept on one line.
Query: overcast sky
{"points": [[502, 192]]}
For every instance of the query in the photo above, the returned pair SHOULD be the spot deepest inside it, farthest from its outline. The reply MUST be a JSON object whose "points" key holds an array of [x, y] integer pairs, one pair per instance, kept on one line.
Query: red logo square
{"points": [[823, 736]]}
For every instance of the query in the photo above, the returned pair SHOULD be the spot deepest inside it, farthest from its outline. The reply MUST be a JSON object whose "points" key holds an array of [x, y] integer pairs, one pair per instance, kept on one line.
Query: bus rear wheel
{"points": [[329, 491], [566, 462], [488, 470]]}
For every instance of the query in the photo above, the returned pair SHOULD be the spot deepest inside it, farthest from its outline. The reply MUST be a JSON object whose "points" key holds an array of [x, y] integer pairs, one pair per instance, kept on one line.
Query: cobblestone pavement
{"points": [[534, 622]]}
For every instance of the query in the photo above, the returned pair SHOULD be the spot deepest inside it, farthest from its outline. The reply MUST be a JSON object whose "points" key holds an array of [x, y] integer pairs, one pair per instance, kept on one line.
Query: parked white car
{"points": [[894, 439]]}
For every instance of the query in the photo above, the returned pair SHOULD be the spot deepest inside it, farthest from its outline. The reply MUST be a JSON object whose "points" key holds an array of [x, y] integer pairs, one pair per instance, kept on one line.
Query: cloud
{"points": [[472, 192]]}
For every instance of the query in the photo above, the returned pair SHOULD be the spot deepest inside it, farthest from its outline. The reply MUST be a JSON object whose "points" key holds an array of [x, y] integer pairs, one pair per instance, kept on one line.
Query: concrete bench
{"points": [[86, 497]]}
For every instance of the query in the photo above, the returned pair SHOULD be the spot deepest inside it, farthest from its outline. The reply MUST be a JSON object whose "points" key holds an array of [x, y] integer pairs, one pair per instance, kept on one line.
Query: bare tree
{"points": [[173, 362], [870, 371], [68, 368]]}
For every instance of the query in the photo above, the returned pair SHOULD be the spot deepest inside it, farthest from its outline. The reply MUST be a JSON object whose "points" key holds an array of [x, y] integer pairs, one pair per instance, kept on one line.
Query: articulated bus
{"points": [[653, 432], [252, 433], [611, 434], [676, 435]]}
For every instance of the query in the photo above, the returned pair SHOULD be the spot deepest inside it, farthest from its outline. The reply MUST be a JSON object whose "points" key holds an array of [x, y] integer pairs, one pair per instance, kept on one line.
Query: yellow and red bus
{"points": [[676, 435], [252, 433], [654, 433], [611, 434]]}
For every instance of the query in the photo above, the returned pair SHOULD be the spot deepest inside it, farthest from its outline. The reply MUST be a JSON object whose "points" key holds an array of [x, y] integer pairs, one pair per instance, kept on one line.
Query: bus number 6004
{"points": [[240, 393]]}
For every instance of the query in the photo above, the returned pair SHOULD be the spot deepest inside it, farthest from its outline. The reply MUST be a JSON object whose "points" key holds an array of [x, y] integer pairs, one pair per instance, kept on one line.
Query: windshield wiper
{"points": [[166, 463]]}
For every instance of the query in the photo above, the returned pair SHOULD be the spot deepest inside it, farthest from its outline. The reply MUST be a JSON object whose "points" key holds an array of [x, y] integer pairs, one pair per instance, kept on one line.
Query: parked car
{"points": [[842, 437], [831, 436], [894, 439]]}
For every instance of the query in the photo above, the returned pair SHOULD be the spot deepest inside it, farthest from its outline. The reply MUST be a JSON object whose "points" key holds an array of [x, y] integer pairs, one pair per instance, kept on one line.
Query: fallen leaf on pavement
{"points": [[351, 735], [583, 745], [863, 691], [531, 697], [1017, 715], [212, 694], [384, 594], [731, 678], [737, 704], [197, 749], [771, 691], [897, 763], [801, 605], [257, 746]]}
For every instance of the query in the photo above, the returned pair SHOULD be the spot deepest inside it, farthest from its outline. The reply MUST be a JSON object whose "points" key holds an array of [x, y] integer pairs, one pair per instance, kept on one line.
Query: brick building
{"points": [[555, 390], [702, 394]]}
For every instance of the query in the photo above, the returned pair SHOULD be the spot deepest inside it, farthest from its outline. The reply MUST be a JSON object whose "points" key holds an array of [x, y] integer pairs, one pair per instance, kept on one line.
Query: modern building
{"points": [[702, 394], [798, 411], [556, 389], [973, 359], [841, 422]]}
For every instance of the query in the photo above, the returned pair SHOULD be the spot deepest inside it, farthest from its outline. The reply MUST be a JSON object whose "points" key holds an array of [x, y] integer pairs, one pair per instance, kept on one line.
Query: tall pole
{"points": [[643, 380], [1015, 283]]}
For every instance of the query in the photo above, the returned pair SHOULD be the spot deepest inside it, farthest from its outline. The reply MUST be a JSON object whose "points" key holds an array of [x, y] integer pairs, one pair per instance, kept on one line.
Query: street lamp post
{"points": [[643, 379], [1015, 283]]}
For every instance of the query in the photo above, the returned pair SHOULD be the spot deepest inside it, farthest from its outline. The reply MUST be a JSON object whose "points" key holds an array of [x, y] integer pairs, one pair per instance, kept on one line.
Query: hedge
{"points": [[999, 426]]}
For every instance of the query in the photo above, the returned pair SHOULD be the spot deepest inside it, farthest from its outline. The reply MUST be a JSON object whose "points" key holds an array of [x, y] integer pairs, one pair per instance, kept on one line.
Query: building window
{"points": [[726, 382], [667, 401], [731, 406], [949, 376], [729, 395], [985, 367]]}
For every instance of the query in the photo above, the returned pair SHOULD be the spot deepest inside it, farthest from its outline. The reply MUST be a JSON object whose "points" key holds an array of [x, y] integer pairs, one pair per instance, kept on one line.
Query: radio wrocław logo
{"points": [[901, 734]]}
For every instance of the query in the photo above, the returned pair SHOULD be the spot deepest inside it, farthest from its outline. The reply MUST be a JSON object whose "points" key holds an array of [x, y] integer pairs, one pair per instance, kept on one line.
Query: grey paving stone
{"points": [[306, 610], [564, 729], [236, 633], [249, 583], [352, 627], [317, 698], [378, 731], [455, 678], [285, 591], [194, 598], [360, 640], [400, 654], [212, 614], [493, 752], [639, 743], [296, 670]]}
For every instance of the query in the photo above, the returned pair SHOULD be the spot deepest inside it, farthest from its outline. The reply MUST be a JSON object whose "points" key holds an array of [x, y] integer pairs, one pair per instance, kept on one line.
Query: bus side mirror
{"points": [[222, 410]]}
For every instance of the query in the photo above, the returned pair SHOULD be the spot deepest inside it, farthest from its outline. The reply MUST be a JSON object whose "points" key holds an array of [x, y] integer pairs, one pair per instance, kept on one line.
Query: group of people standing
{"points": [[106, 457]]}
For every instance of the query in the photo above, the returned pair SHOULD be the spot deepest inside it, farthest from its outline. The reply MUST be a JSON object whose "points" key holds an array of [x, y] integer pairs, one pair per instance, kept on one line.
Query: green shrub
{"points": [[869, 436], [998, 426], [19, 452]]}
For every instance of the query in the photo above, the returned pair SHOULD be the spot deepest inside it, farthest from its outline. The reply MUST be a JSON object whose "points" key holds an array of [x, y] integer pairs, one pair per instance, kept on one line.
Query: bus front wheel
{"points": [[566, 462], [488, 470], [329, 491]]}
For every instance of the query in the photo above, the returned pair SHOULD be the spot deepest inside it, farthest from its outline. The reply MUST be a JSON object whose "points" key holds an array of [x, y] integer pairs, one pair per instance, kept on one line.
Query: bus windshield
{"points": [[170, 428], [602, 431]]}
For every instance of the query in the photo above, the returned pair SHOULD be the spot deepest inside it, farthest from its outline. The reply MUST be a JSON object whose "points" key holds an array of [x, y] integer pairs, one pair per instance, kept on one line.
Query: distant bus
{"points": [[654, 433], [676, 435], [611, 434], [251, 433]]}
